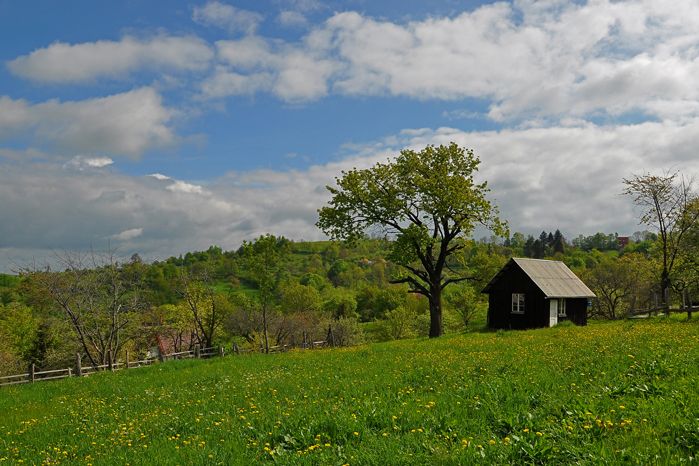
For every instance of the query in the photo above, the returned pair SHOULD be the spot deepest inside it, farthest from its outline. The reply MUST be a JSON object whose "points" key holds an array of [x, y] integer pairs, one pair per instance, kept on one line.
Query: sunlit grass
{"points": [[616, 393]]}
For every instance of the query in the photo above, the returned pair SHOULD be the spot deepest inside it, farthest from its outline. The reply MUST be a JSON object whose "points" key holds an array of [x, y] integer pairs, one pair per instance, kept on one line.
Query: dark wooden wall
{"points": [[576, 309], [536, 306]]}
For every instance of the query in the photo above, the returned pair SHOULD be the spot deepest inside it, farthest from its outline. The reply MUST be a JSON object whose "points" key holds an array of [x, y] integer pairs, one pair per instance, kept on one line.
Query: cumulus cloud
{"points": [[527, 58], [80, 162], [566, 177], [64, 63], [252, 64], [128, 124], [227, 17]]}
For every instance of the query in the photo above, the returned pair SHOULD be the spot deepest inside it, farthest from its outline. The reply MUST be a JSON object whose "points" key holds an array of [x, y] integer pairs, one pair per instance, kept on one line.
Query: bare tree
{"points": [[665, 202], [208, 309], [97, 294]]}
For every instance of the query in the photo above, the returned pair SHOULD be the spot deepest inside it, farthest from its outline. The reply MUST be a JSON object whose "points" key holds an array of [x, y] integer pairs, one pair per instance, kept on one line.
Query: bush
{"points": [[398, 324], [347, 332], [465, 304]]}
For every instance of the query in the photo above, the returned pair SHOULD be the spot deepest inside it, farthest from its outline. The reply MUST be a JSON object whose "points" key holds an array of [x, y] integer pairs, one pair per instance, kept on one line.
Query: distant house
{"points": [[623, 241], [533, 293]]}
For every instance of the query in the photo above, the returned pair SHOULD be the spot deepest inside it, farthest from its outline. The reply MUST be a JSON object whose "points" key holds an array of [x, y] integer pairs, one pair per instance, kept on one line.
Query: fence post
{"points": [[684, 294], [161, 356], [31, 372], [220, 350], [310, 338], [78, 365], [655, 299], [332, 336], [304, 339], [197, 353], [667, 302], [70, 372], [235, 347], [127, 359], [110, 360]]}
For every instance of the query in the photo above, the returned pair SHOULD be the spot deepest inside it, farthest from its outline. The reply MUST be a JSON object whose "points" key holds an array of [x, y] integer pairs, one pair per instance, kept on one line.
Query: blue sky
{"points": [[167, 126]]}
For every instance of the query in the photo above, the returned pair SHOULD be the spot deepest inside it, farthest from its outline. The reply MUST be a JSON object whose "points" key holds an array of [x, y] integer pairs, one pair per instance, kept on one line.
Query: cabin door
{"points": [[553, 313]]}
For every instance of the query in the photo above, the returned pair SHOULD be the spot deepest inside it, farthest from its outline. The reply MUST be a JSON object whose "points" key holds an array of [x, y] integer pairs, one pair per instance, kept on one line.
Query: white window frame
{"points": [[518, 303], [562, 307]]}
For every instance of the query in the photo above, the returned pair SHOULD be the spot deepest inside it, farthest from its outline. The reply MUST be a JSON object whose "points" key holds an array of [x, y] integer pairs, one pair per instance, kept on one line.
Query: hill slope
{"points": [[613, 393]]}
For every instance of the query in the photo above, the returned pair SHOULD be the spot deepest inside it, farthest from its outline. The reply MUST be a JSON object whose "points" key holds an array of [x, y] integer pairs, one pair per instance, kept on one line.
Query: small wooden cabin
{"points": [[534, 293]]}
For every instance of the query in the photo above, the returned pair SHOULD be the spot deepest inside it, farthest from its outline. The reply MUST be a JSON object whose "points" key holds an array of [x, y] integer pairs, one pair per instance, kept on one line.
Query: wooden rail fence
{"points": [[666, 309], [197, 353]]}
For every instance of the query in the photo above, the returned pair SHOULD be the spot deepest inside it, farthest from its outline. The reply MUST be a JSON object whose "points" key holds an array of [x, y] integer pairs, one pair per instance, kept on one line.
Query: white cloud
{"points": [[566, 177], [128, 234], [178, 185], [529, 58], [227, 17], [80, 162], [63, 63], [291, 19], [254, 64], [123, 124]]}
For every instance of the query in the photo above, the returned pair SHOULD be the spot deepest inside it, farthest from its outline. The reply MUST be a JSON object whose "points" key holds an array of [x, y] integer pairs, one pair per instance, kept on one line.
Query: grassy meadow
{"points": [[610, 393]]}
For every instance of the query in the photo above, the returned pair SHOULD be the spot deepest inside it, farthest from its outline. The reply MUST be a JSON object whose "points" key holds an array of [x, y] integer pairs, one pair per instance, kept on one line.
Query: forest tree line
{"points": [[99, 301]]}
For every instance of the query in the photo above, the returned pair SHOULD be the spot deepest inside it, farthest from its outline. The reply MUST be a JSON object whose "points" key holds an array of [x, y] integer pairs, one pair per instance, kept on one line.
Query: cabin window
{"points": [[518, 303], [562, 307]]}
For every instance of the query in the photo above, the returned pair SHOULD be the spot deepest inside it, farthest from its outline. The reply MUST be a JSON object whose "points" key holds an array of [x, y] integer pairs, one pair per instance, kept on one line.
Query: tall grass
{"points": [[617, 393]]}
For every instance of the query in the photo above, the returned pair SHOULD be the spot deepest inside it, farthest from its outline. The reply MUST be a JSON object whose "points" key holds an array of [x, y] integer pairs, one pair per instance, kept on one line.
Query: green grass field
{"points": [[612, 393]]}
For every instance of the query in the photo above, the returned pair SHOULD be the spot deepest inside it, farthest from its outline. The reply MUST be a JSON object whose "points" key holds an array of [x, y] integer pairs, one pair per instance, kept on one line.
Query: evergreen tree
{"points": [[538, 249], [529, 246], [558, 242]]}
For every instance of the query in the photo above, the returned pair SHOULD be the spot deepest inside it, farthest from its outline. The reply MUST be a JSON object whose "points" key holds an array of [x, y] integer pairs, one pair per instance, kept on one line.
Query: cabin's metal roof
{"points": [[554, 278]]}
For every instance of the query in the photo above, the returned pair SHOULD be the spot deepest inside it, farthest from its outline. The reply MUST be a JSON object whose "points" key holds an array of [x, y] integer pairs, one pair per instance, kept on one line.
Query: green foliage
{"points": [[299, 299], [485, 266], [616, 282], [599, 241], [20, 328], [311, 279], [8, 280], [465, 303], [398, 324], [340, 304], [428, 200]]}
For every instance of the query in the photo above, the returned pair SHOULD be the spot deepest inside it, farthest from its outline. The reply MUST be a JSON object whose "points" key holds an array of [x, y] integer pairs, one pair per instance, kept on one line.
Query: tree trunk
{"points": [[435, 312], [264, 328]]}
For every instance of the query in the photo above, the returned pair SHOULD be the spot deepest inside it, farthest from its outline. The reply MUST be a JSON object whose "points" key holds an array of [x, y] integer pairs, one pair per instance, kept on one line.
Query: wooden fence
{"points": [[197, 353], [666, 309]]}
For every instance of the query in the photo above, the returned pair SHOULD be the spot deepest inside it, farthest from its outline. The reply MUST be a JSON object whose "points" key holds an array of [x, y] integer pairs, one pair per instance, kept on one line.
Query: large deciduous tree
{"points": [[428, 201], [666, 205]]}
